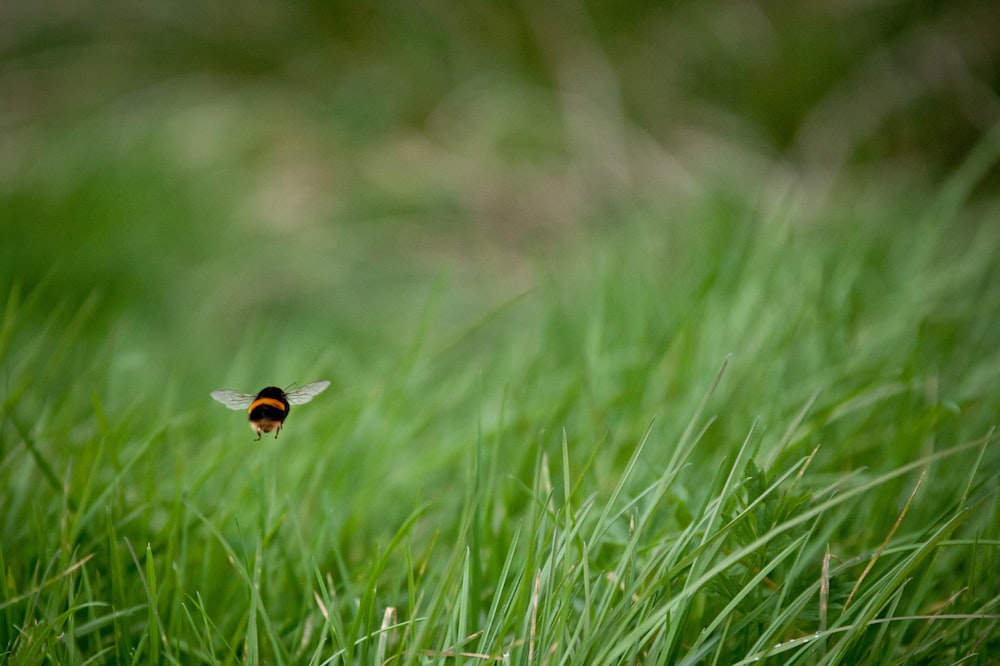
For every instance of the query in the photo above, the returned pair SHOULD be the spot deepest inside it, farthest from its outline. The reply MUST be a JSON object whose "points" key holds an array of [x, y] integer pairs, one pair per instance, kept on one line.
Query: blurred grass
{"points": [[521, 244], [889, 352], [145, 145]]}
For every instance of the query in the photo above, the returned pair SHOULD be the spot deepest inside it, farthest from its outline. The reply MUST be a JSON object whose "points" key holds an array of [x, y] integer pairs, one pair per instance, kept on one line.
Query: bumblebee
{"points": [[269, 408]]}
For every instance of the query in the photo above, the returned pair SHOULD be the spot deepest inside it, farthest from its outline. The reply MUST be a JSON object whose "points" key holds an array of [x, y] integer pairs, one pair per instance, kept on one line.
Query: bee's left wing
{"points": [[304, 394], [234, 399]]}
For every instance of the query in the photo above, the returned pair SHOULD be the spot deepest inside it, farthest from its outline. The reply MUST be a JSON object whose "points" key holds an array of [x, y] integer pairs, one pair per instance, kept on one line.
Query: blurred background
{"points": [[498, 229], [215, 174]]}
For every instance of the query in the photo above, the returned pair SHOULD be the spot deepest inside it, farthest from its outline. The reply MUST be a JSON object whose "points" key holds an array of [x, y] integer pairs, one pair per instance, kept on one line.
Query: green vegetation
{"points": [[557, 479], [604, 392]]}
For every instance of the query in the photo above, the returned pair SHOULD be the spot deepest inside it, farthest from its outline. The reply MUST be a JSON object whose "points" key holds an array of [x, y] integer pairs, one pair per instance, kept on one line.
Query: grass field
{"points": [[597, 398], [724, 440]]}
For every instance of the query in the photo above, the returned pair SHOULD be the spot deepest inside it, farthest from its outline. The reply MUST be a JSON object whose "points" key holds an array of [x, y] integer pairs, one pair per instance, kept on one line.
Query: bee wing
{"points": [[304, 394], [234, 399]]}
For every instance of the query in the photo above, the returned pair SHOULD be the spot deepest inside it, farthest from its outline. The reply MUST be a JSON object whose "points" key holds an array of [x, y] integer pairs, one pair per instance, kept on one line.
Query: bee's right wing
{"points": [[233, 399], [304, 394]]}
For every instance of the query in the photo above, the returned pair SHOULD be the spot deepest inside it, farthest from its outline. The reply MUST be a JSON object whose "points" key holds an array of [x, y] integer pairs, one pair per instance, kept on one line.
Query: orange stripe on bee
{"points": [[271, 402]]}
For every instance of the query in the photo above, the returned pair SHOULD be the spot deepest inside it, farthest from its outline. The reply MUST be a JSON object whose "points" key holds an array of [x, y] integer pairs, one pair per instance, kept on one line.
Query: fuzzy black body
{"points": [[268, 411]]}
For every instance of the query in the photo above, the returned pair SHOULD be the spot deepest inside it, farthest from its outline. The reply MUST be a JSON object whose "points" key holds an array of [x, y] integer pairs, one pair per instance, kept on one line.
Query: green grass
{"points": [[657, 334], [732, 438]]}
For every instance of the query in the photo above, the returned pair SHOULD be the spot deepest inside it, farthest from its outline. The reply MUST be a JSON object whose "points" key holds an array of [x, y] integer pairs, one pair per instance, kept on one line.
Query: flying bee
{"points": [[269, 408]]}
